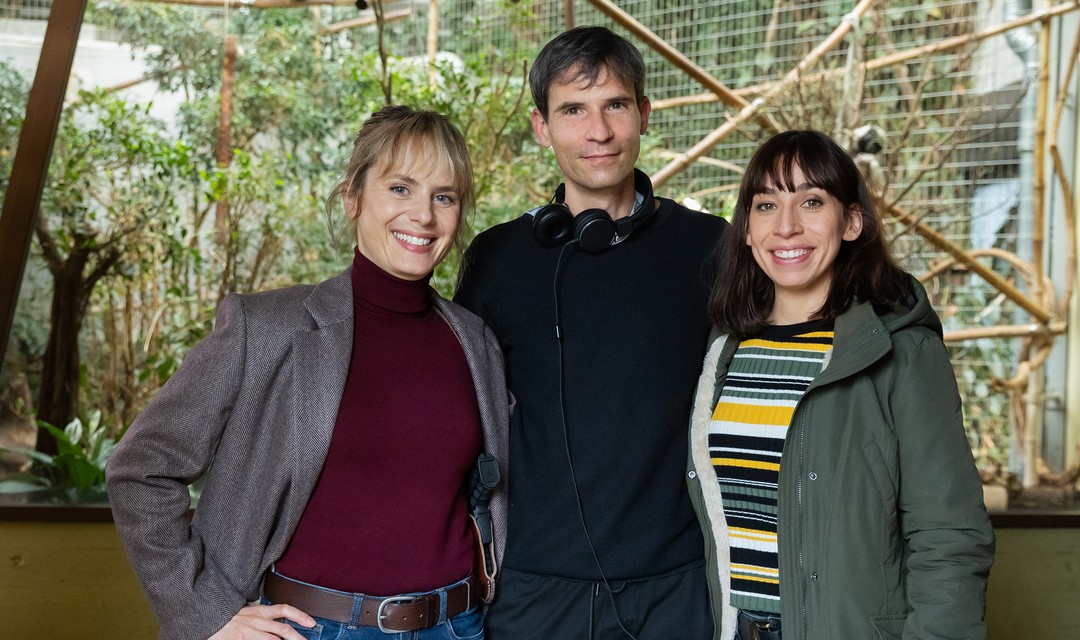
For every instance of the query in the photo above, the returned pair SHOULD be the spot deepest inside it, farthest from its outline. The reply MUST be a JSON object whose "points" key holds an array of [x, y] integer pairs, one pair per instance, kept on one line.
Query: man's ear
{"points": [[645, 108], [539, 127]]}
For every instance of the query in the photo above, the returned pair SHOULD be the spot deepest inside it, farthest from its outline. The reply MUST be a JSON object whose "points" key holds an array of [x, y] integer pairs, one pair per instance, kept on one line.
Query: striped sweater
{"points": [[768, 376]]}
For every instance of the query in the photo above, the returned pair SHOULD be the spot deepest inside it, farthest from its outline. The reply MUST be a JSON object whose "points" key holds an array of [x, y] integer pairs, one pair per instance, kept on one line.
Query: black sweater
{"points": [[634, 326]]}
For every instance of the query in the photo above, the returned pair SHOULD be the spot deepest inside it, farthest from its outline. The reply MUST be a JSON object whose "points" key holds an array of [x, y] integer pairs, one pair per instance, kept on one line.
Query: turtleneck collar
{"points": [[377, 290]]}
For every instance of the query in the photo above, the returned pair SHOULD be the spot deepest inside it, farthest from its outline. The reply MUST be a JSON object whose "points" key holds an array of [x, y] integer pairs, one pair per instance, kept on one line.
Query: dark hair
{"points": [[392, 133], [742, 298], [585, 52]]}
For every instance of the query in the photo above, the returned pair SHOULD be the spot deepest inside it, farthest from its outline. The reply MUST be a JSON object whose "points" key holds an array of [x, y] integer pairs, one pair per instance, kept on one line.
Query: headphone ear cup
{"points": [[594, 229], [553, 224]]}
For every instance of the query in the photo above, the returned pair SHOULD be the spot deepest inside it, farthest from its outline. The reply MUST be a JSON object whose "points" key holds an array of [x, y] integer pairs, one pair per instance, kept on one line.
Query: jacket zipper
{"points": [[799, 519]]}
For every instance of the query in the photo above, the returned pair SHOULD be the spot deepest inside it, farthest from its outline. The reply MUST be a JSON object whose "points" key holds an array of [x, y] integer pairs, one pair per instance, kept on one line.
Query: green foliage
{"points": [[76, 474], [112, 172], [14, 90], [188, 229]]}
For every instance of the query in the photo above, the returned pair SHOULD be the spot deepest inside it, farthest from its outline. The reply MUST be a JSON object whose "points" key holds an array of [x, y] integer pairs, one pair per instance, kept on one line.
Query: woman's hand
{"points": [[260, 622]]}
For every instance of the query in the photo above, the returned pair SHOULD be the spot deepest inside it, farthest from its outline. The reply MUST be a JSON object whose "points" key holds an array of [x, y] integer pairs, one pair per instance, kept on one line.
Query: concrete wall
{"points": [[1035, 584], [69, 580]]}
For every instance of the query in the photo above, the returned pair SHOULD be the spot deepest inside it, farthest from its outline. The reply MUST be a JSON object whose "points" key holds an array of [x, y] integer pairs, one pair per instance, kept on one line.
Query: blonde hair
{"points": [[398, 133]]}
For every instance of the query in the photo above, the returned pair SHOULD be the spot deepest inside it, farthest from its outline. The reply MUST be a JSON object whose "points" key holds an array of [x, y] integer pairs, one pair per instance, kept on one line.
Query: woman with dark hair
{"points": [[828, 461], [336, 426]]}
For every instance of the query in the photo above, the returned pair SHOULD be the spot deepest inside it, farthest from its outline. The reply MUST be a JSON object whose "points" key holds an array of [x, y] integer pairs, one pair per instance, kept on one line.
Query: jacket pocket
{"points": [[880, 473], [889, 627]]}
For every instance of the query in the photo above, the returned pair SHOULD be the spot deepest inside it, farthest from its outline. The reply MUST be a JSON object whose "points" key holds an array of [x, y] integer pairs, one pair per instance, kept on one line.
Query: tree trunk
{"points": [[59, 397]]}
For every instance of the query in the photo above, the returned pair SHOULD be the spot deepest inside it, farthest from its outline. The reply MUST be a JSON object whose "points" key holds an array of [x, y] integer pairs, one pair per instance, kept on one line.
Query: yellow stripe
{"points": [[746, 464], [756, 578], [755, 569], [753, 414], [754, 536], [788, 346], [750, 539]]}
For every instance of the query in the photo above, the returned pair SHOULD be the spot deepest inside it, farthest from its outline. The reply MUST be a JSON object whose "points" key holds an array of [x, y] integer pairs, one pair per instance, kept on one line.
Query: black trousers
{"points": [[536, 607]]}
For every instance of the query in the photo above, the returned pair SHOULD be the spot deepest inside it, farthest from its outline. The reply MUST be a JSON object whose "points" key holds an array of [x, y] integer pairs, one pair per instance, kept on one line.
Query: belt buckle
{"points": [[757, 627], [379, 615]]}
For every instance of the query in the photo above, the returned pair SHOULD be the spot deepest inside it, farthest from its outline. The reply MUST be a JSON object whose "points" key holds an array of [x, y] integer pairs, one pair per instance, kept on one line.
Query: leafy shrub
{"points": [[74, 475]]}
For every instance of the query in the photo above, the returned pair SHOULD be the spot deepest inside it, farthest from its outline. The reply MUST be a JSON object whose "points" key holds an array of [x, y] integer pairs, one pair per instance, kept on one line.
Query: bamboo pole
{"points": [[1022, 266], [676, 57], [1033, 429], [708, 142], [432, 40], [973, 265], [1055, 328], [1036, 381], [1038, 190], [708, 191], [1063, 181], [1063, 91], [706, 160], [127, 84], [365, 21], [892, 59], [704, 98], [1070, 228]]}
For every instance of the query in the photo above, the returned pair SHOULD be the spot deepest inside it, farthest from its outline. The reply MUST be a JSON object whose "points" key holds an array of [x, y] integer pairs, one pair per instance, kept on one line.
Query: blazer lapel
{"points": [[469, 332], [320, 365]]}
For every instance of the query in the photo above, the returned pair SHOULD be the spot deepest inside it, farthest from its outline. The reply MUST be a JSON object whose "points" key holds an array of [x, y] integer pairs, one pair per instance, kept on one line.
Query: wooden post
{"points": [[432, 39], [30, 167], [570, 20], [224, 139]]}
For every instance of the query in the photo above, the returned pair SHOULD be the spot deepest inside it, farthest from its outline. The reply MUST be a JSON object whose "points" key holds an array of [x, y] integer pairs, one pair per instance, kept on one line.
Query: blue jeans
{"points": [[468, 625]]}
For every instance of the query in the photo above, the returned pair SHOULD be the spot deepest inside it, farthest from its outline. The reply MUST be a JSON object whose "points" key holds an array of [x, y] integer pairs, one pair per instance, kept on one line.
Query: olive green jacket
{"points": [[882, 528]]}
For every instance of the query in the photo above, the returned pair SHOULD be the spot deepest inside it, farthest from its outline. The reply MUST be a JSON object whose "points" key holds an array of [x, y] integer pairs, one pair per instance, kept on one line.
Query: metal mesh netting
{"points": [[25, 9], [950, 124]]}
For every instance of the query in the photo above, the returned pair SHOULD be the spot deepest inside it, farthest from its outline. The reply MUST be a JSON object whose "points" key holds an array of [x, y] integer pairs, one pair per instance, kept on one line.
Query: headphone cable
{"points": [[566, 443]]}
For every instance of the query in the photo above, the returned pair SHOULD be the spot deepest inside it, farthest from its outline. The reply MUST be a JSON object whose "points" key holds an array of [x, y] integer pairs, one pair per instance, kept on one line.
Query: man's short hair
{"points": [[585, 52]]}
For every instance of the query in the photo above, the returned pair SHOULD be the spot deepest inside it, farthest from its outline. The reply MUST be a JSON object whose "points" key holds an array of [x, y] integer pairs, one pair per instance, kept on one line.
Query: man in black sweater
{"points": [[599, 303]]}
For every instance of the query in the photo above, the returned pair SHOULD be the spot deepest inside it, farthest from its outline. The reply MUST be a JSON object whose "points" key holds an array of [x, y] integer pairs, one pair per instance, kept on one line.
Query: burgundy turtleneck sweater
{"points": [[389, 513]]}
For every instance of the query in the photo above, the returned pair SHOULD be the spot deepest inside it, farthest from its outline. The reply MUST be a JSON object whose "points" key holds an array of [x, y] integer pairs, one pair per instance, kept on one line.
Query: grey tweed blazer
{"points": [[258, 397]]}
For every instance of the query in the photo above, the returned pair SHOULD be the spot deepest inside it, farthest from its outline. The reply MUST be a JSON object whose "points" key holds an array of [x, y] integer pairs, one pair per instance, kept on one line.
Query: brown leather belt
{"points": [[392, 614]]}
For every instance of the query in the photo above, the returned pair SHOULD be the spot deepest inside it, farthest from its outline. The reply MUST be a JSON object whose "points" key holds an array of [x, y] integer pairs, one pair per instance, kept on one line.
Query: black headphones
{"points": [[594, 229]]}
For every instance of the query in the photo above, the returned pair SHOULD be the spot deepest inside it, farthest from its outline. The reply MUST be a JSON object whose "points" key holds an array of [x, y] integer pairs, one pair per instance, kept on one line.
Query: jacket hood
{"points": [[921, 314]]}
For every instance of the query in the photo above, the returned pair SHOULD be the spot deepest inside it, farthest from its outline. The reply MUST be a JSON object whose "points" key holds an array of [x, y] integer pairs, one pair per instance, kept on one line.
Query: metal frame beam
{"points": [[30, 168]]}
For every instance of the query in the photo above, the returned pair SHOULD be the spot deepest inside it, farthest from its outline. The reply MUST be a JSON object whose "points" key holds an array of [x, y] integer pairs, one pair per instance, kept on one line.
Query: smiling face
{"points": [[595, 131], [794, 237], [407, 213]]}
